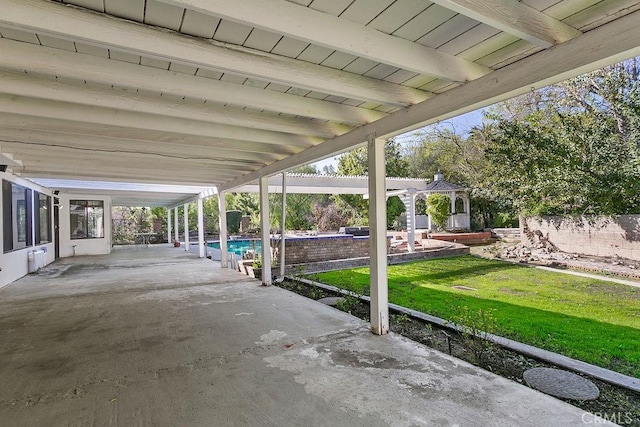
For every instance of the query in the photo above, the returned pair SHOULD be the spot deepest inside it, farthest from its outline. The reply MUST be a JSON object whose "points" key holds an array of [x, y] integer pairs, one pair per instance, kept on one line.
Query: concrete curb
{"points": [[606, 375]]}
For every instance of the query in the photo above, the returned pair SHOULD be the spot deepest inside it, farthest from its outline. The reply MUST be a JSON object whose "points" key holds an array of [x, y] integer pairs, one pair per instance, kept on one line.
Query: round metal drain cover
{"points": [[562, 384], [332, 301]]}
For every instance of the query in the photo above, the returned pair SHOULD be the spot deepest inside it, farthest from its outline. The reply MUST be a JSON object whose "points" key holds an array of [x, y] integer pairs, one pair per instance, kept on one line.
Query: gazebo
{"points": [[460, 206]]}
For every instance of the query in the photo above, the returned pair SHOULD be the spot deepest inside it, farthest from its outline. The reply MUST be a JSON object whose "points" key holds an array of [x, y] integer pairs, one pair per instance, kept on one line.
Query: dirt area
{"points": [[546, 254], [509, 364]]}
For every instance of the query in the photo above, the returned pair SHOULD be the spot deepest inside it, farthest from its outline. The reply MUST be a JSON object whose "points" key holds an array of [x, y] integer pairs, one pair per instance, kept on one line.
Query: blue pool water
{"points": [[239, 247]]}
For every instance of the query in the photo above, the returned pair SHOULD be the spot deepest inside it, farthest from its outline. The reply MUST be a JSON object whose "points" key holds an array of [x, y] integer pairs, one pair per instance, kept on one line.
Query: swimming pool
{"points": [[239, 246]]}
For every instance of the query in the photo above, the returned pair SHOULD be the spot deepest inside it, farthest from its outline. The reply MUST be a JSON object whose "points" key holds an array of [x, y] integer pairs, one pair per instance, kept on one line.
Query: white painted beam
{"points": [[326, 30], [265, 228], [200, 180], [143, 136], [79, 25], [113, 117], [222, 220], [38, 139], [516, 18], [33, 87], [378, 237], [32, 58], [608, 44], [138, 163]]}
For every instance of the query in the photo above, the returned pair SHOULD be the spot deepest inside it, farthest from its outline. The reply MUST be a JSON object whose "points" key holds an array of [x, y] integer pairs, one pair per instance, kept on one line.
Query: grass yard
{"points": [[587, 319]]}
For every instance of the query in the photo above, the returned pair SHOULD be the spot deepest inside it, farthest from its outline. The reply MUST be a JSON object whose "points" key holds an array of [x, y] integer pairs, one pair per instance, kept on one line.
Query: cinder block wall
{"points": [[305, 250], [588, 235]]}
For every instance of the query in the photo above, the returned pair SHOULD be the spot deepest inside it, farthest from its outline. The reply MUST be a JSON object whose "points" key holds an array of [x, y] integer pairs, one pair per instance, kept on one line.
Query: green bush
{"points": [[438, 209]]}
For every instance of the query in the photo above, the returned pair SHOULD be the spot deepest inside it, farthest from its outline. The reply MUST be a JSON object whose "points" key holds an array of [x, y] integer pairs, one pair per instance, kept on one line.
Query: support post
{"points": [[222, 220], [283, 221], [378, 237], [175, 224], [264, 230], [201, 242], [411, 222], [186, 226], [168, 225]]}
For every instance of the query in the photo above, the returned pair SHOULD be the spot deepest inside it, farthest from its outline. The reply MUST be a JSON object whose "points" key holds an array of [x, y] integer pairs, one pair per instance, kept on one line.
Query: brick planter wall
{"points": [[325, 248], [340, 264]]}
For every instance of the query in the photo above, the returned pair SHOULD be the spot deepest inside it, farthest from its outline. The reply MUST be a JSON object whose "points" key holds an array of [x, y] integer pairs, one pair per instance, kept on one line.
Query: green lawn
{"points": [[587, 319]]}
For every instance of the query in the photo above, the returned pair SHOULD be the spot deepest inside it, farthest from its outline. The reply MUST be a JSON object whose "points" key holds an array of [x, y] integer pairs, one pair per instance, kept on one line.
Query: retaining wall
{"points": [[340, 264], [589, 235], [325, 248]]}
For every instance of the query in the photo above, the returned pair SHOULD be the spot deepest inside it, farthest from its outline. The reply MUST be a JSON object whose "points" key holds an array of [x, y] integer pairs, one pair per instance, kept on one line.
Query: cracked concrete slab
{"points": [[155, 336]]}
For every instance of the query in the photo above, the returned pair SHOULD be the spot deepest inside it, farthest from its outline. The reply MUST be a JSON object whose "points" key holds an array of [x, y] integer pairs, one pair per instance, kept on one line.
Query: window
{"points": [[43, 218], [459, 205], [16, 205], [87, 219]]}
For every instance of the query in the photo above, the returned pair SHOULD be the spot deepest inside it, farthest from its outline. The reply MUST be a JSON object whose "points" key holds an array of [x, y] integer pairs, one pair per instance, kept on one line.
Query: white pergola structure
{"points": [[222, 93]]}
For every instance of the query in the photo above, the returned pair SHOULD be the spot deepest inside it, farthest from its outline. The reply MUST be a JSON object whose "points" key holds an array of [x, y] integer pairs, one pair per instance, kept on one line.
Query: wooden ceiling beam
{"points": [[37, 139], [31, 86], [515, 18], [114, 117], [75, 24], [606, 45], [25, 57], [313, 26]]}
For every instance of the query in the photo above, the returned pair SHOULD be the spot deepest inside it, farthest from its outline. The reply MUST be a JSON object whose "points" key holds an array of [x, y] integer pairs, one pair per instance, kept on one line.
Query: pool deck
{"points": [[157, 336]]}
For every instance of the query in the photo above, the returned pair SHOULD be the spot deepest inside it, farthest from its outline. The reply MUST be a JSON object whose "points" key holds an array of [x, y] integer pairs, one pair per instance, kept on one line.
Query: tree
{"points": [[355, 163], [438, 209], [572, 148]]}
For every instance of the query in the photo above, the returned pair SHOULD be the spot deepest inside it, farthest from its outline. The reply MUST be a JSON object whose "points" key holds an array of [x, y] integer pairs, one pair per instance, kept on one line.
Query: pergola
{"points": [[219, 94]]}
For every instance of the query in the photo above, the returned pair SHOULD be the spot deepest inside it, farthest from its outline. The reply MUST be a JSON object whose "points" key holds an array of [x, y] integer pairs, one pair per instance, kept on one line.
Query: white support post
{"points": [[168, 225], [378, 237], [264, 229], [201, 242], [411, 222], [186, 226], [175, 224], [452, 217], [283, 221], [222, 220]]}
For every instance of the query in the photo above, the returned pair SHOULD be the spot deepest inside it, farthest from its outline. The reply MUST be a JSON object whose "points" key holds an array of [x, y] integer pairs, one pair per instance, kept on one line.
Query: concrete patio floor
{"points": [[156, 336]]}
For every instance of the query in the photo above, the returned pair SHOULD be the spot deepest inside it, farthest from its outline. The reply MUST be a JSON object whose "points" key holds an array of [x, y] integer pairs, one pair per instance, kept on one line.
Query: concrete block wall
{"points": [[606, 236]]}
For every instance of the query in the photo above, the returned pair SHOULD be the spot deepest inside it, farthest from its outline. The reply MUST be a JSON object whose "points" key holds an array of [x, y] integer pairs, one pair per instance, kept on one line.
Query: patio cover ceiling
{"points": [[220, 92]]}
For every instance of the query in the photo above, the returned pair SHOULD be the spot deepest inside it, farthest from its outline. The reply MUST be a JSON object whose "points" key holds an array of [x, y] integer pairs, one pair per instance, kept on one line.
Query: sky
{"points": [[460, 124]]}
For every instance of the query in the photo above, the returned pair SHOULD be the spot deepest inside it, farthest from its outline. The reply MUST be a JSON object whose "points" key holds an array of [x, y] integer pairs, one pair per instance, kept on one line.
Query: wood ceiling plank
{"points": [[128, 9], [447, 31], [20, 84], [77, 24], [311, 26], [21, 56], [468, 39], [289, 47], [199, 25], [232, 32], [515, 18], [145, 121], [364, 11], [262, 40], [398, 14], [425, 22], [56, 43], [605, 45], [163, 15]]}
